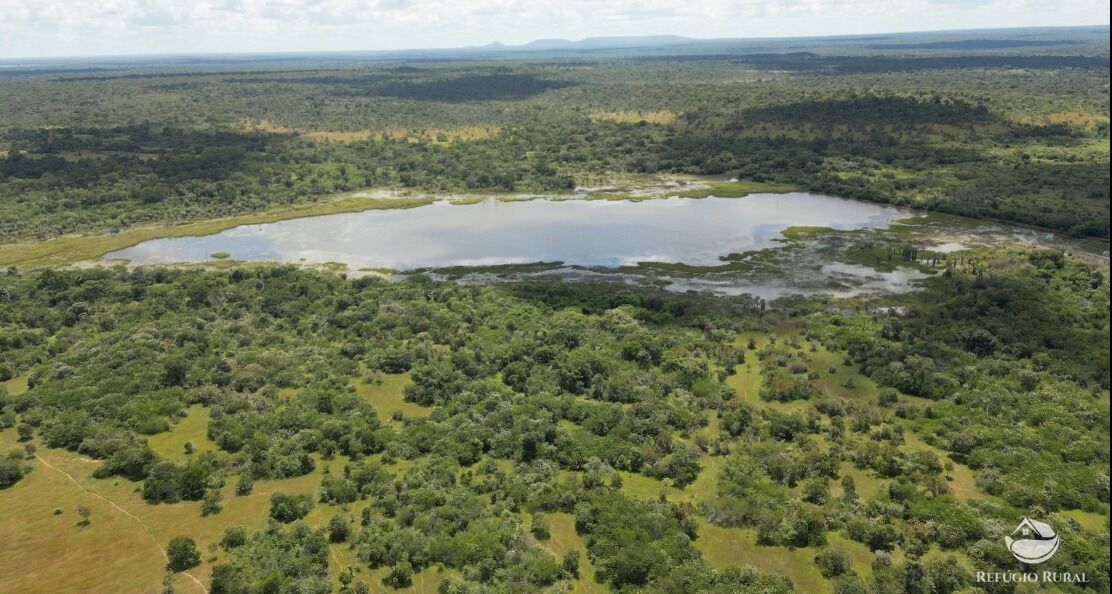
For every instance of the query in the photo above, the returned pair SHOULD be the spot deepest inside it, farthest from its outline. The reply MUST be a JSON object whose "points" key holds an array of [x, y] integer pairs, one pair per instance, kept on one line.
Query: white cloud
{"points": [[76, 27]]}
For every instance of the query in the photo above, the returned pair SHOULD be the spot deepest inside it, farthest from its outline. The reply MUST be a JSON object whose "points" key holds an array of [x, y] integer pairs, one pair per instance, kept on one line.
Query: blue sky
{"points": [[40, 28]]}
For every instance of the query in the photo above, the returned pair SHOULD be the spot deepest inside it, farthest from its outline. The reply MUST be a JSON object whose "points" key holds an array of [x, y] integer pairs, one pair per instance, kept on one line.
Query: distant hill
{"points": [[597, 43], [1078, 41]]}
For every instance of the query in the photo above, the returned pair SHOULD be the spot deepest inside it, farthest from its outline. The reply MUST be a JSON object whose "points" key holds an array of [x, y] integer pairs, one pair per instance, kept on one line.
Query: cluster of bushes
{"points": [[539, 395]]}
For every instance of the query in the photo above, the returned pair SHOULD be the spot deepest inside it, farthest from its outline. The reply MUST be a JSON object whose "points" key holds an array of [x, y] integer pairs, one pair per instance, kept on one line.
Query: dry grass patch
{"points": [[1079, 119], [337, 136], [442, 135], [437, 135], [43, 552], [661, 117]]}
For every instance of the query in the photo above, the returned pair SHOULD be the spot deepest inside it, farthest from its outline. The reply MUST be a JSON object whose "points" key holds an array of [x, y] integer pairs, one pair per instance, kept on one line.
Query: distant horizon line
{"points": [[498, 45]]}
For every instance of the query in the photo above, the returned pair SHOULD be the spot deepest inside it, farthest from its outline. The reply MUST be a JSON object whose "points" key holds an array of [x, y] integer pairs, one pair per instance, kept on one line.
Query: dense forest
{"points": [[1020, 134], [544, 398]]}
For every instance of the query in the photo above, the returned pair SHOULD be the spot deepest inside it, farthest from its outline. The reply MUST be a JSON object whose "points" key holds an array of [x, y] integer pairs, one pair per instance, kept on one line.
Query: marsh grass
{"points": [[78, 248], [736, 189]]}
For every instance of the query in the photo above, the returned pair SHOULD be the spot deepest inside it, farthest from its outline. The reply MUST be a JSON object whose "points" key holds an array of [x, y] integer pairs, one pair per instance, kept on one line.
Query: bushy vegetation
{"points": [[275, 559], [182, 554], [12, 468], [541, 394], [1016, 136]]}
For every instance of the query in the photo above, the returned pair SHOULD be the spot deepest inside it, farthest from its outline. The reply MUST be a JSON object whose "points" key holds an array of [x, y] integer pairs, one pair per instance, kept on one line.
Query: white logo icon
{"points": [[1037, 543]]}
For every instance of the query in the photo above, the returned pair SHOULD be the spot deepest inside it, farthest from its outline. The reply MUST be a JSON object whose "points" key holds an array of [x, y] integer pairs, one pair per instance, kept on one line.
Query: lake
{"points": [[590, 233]]}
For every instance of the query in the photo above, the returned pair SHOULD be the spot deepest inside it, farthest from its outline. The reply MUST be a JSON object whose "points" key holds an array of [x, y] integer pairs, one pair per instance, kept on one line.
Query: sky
{"points": [[49, 28]]}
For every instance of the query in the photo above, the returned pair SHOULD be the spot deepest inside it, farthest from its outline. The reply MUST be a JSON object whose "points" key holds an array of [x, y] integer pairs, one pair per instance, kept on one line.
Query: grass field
{"points": [[846, 382], [424, 581], [859, 554], [17, 385], [746, 381], [633, 117], [865, 482], [192, 429], [563, 539], [1090, 521], [44, 552], [963, 484], [723, 547], [115, 552], [436, 135], [389, 396], [644, 487]]}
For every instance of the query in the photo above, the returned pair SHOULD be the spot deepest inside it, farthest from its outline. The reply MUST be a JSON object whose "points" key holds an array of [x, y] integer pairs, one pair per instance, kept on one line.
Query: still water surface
{"points": [[575, 232]]}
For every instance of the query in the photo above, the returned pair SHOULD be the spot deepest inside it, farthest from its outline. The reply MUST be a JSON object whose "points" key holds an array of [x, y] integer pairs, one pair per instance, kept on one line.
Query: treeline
{"points": [[947, 132], [868, 147]]}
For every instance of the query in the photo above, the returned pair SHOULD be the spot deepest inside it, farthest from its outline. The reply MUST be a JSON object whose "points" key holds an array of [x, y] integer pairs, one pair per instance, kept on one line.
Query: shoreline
{"points": [[72, 249]]}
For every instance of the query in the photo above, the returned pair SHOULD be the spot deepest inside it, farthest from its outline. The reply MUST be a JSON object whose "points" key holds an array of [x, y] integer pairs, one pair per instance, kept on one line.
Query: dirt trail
{"points": [[161, 550]]}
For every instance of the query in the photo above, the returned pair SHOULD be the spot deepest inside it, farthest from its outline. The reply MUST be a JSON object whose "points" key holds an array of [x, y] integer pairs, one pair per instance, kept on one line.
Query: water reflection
{"points": [[576, 232]]}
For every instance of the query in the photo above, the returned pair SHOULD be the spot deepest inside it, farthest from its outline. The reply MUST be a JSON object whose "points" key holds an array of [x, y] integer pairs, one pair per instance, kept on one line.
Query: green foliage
{"points": [[182, 554], [234, 536], [833, 562], [245, 485], [289, 508], [400, 575], [952, 524], [210, 504], [534, 396], [275, 559], [12, 468], [1043, 369], [170, 483], [338, 529], [540, 528], [633, 543]]}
